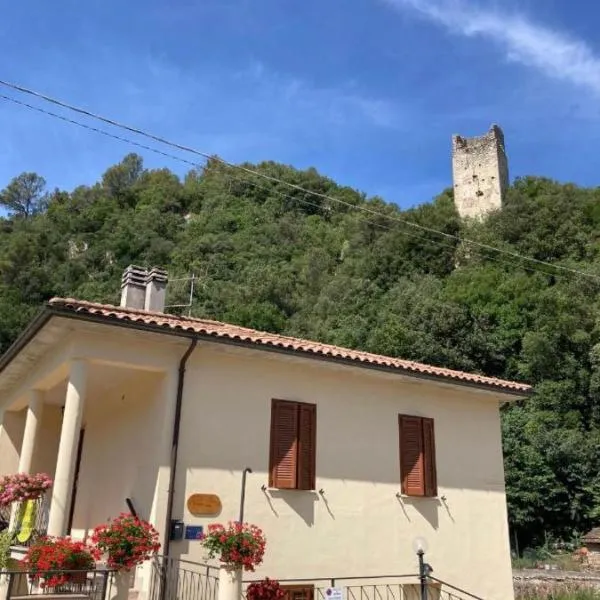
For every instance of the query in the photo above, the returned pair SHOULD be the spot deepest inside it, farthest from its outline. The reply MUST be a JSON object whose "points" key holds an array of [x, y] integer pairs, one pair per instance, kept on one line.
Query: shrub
{"points": [[5, 543]]}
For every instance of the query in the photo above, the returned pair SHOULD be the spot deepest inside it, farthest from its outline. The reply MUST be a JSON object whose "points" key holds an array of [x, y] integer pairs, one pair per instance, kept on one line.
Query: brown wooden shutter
{"points": [[298, 592], [411, 456], [429, 458], [307, 438], [284, 445]]}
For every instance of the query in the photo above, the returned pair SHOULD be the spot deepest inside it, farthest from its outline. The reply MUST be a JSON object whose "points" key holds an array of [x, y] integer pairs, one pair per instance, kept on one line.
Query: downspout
{"points": [[175, 446]]}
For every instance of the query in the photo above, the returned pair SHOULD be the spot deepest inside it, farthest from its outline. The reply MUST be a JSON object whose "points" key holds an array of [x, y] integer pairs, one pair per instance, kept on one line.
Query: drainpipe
{"points": [[243, 496], [175, 446]]}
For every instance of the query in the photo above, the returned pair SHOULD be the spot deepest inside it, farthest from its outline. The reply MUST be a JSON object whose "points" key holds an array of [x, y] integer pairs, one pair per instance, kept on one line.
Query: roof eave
{"points": [[25, 337], [52, 310]]}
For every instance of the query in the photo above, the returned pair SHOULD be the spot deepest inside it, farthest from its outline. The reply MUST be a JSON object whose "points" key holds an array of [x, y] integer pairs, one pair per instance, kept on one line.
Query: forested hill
{"points": [[274, 258]]}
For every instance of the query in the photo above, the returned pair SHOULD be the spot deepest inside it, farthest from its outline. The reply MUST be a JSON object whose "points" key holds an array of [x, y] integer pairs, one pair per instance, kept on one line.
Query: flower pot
{"points": [[120, 585], [230, 583], [3, 587]]}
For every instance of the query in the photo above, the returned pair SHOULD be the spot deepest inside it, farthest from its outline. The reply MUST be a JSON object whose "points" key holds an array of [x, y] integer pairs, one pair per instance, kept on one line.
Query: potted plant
{"points": [[22, 486], [126, 542], [266, 589], [59, 561], [239, 547]]}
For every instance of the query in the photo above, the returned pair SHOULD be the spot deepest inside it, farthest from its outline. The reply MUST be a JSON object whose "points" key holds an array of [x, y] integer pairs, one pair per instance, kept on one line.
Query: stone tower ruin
{"points": [[480, 173]]}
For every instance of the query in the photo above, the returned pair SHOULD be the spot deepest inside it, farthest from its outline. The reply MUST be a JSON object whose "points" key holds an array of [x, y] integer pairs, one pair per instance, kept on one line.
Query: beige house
{"points": [[353, 455]]}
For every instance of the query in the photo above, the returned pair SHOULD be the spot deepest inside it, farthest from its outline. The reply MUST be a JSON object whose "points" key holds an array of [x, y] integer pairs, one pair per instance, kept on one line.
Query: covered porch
{"points": [[93, 409]]}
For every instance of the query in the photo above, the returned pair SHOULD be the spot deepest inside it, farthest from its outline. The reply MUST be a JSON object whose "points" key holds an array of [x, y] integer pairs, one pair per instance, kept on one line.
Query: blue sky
{"points": [[367, 91]]}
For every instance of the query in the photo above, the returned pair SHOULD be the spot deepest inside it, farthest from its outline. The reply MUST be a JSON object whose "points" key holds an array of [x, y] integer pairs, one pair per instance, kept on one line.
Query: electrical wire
{"points": [[95, 129], [272, 179], [444, 245]]}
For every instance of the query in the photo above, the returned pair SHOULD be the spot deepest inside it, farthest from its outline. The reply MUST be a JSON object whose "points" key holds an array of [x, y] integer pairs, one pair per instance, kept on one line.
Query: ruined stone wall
{"points": [[480, 173], [548, 584]]}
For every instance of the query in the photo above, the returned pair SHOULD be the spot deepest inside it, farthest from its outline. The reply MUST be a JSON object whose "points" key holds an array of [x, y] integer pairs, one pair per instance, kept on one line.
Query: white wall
{"points": [[358, 527], [119, 458], [11, 437]]}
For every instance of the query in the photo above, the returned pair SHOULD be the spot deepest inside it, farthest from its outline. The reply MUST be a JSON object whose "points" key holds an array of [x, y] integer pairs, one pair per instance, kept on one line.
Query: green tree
{"points": [[24, 196]]}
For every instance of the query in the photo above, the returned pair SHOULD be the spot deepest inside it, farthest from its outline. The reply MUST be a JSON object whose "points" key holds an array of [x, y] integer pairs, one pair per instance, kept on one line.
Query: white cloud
{"points": [[554, 53]]}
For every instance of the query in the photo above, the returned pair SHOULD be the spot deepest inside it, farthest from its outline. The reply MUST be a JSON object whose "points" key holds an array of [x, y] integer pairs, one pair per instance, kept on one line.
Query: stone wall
{"points": [[480, 173], [528, 583], [593, 556]]}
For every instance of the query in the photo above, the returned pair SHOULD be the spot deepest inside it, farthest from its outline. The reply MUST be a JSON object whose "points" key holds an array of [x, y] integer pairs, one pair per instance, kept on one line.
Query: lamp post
{"points": [[420, 546]]}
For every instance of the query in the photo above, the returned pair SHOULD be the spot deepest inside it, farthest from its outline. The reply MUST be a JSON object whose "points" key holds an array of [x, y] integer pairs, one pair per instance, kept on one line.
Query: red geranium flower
{"points": [[127, 540], [239, 546]]}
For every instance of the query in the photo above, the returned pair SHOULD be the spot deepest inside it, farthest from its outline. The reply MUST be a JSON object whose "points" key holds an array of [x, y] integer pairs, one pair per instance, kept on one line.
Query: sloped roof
{"points": [[592, 537], [251, 337]]}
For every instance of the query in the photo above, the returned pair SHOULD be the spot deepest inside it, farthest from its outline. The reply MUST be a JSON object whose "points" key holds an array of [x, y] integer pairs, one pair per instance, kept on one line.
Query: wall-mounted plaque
{"points": [[194, 532], [204, 505]]}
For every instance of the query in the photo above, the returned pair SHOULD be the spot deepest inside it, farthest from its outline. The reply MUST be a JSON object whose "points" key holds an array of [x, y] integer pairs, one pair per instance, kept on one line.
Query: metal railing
{"points": [[370, 587], [380, 587], [4, 518], [93, 585], [30, 520], [176, 579], [451, 592]]}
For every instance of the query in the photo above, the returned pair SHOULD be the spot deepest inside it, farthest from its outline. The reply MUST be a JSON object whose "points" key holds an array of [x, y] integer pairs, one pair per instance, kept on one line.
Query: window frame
{"points": [[428, 487], [307, 589], [304, 464]]}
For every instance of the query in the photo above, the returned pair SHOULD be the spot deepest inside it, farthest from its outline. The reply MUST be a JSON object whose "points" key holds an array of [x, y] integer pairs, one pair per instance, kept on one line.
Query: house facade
{"points": [[353, 456]]}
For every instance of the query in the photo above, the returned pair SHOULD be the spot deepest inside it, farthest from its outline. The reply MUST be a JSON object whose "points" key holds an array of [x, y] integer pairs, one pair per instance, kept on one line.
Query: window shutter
{"points": [[307, 439], [298, 592], [411, 456], [429, 458], [284, 444]]}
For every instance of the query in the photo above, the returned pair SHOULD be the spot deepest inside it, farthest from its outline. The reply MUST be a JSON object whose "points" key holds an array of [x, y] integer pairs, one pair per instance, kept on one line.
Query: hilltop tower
{"points": [[480, 173]]}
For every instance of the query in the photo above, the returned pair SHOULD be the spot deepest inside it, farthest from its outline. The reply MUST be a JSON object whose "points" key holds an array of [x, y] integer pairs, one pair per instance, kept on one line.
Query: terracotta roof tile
{"points": [[250, 336]]}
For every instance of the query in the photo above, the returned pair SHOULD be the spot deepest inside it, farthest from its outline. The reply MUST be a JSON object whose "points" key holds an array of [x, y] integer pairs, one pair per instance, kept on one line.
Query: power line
{"points": [[95, 129], [444, 245], [196, 165], [277, 180]]}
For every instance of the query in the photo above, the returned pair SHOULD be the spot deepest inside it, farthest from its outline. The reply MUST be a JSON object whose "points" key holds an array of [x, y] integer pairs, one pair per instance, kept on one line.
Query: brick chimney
{"points": [[156, 290], [133, 287]]}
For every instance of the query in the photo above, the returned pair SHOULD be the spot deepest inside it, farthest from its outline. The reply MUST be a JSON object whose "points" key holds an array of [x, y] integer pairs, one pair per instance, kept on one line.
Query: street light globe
{"points": [[420, 544]]}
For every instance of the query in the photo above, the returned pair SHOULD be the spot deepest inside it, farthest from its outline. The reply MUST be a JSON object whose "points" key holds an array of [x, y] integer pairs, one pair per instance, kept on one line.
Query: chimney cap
{"points": [[133, 274], [157, 274]]}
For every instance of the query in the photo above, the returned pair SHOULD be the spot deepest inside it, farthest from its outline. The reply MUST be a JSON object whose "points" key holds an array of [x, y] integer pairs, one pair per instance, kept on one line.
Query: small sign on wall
{"points": [[194, 532], [334, 594], [204, 505]]}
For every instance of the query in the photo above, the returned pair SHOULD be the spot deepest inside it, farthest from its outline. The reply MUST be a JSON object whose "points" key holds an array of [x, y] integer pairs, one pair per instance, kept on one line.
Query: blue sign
{"points": [[194, 532]]}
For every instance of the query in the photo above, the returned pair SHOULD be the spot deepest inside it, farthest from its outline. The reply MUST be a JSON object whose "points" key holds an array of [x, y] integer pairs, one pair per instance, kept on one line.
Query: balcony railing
{"points": [[382, 587], [88, 585], [29, 522], [175, 579]]}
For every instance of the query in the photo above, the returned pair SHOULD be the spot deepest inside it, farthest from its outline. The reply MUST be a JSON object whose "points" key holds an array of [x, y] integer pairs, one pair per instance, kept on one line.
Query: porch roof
{"points": [[228, 333]]}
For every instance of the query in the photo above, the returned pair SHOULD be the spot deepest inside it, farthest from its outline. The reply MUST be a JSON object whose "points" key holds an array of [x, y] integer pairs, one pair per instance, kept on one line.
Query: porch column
{"points": [[67, 449], [32, 426]]}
